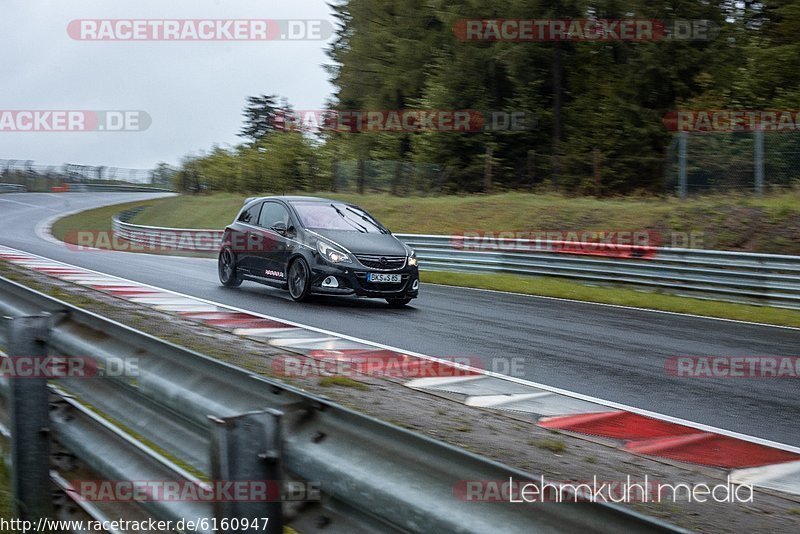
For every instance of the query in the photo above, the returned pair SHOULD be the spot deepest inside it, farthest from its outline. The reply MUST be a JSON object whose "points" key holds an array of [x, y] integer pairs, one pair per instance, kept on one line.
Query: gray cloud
{"points": [[194, 91]]}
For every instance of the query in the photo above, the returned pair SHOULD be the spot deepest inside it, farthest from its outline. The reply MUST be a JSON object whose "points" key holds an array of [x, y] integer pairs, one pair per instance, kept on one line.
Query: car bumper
{"points": [[353, 281]]}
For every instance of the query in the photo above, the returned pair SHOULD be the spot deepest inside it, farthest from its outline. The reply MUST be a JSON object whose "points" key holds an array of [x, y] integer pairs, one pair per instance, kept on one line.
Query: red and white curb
{"points": [[751, 460]]}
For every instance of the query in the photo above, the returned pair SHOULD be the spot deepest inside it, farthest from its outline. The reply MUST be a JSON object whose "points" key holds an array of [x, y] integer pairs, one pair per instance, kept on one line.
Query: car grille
{"points": [[382, 263]]}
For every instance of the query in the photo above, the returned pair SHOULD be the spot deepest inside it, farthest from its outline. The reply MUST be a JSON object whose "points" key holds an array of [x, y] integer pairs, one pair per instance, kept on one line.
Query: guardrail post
{"points": [[247, 448], [29, 420]]}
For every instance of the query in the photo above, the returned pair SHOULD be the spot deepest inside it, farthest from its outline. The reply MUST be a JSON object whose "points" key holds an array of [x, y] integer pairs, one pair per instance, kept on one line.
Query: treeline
{"points": [[599, 105]]}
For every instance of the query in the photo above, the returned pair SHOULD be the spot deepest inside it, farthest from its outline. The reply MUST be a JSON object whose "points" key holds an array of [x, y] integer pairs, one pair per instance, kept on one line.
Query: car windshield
{"points": [[336, 216]]}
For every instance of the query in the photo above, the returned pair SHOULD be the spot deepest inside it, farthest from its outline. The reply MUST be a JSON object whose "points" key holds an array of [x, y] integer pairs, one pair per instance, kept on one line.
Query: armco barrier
{"points": [[763, 279], [730, 276], [88, 188], [212, 421], [115, 188], [12, 188]]}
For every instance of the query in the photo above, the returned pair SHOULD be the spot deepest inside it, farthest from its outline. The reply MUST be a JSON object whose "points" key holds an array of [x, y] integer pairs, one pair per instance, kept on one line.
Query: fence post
{"points": [[29, 413], [487, 170], [531, 169], [361, 176], [247, 448], [759, 160], [596, 173], [683, 175]]}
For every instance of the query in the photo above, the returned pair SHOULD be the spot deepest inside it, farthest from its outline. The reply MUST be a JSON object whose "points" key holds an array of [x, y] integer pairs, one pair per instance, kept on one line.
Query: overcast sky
{"points": [[194, 91]]}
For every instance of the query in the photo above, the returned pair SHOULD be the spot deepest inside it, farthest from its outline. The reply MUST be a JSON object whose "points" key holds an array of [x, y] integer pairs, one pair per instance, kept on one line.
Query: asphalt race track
{"points": [[611, 353]]}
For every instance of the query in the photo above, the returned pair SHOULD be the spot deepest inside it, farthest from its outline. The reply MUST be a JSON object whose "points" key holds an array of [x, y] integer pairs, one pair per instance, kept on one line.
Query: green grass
{"points": [[728, 222], [622, 296], [342, 381], [732, 222], [202, 211], [98, 221], [462, 426], [552, 445], [92, 220]]}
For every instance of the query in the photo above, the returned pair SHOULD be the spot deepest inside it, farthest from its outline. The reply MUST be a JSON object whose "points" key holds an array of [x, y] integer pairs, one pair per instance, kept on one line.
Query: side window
{"points": [[272, 213], [250, 216]]}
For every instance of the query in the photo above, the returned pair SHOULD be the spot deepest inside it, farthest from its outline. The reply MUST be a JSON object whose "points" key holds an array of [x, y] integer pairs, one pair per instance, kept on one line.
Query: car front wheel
{"points": [[227, 269], [299, 280]]}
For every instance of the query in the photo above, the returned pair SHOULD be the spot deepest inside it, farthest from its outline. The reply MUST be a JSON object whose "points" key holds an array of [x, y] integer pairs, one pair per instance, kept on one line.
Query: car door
{"points": [[245, 236], [271, 254]]}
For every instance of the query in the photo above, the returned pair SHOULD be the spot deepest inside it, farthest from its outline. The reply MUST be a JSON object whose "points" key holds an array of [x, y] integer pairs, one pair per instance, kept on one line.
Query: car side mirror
{"points": [[279, 228]]}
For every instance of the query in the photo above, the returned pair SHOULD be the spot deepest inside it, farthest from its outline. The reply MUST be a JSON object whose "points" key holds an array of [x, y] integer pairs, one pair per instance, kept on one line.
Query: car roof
{"points": [[307, 199], [290, 199]]}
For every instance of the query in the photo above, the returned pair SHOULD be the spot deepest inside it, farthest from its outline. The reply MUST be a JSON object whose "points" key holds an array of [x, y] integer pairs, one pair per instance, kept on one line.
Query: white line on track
{"points": [[27, 204]]}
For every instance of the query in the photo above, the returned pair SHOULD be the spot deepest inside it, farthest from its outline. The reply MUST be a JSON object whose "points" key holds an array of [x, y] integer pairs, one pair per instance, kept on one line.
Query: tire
{"points": [[226, 268], [398, 303], [299, 280]]}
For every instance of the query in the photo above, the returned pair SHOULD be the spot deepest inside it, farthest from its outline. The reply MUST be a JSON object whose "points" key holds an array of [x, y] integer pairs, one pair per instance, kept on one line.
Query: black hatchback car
{"points": [[312, 245]]}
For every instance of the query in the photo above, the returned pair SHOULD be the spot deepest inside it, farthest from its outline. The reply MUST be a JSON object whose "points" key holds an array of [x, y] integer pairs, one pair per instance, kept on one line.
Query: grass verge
{"points": [[622, 296], [96, 227], [342, 381], [727, 222], [98, 219], [724, 222]]}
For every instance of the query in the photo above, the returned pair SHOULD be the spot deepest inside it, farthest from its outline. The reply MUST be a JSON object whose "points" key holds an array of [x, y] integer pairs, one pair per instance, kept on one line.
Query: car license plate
{"points": [[383, 278]]}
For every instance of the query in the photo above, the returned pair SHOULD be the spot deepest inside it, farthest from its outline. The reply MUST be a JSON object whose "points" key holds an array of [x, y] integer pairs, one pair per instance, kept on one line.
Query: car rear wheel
{"points": [[299, 280], [398, 303], [227, 269]]}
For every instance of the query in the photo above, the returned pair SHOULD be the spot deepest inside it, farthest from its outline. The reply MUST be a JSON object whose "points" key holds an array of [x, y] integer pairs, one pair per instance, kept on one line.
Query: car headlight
{"points": [[412, 259], [331, 254]]}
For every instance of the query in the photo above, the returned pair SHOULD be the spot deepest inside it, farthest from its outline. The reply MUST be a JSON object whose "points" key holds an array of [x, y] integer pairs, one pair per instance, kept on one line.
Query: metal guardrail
{"points": [[763, 279], [169, 238], [185, 413], [12, 188], [91, 188], [119, 188], [730, 276]]}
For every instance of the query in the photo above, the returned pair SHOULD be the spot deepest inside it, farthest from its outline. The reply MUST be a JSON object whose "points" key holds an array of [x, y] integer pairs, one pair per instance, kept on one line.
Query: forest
{"points": [[599, 109]]}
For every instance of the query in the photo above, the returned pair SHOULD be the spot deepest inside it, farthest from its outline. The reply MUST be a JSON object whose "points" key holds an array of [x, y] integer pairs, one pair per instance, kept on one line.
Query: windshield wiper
{"points": [[370, 220], [362, 229]]}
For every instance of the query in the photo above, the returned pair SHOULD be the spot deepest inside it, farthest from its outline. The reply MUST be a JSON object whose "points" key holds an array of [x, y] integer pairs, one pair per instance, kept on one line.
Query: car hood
{"points": [[360, 243]]}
